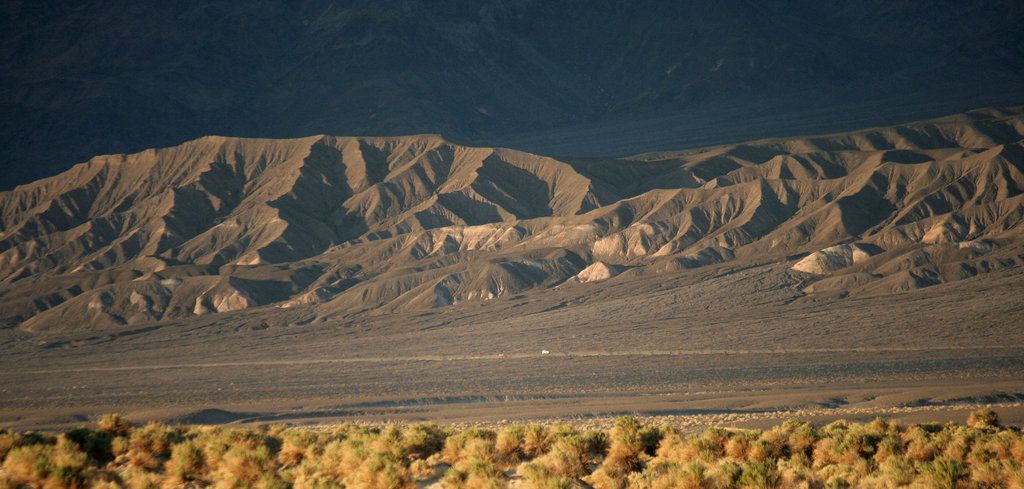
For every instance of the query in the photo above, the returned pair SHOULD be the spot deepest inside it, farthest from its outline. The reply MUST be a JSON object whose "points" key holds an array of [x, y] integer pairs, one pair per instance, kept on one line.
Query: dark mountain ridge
{"points": [[563, 78]]}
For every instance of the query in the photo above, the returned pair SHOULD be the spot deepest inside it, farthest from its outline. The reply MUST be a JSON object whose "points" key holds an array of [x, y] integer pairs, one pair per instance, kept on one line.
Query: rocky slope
{"points": [[338, 227]]}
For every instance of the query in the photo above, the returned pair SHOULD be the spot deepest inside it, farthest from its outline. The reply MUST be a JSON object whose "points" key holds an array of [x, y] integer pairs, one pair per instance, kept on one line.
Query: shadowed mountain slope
{"points": [[341, 227], [554, 77]]}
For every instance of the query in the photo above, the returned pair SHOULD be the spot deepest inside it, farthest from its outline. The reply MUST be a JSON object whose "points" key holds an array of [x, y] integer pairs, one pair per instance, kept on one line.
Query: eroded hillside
{"points": [[334, 227]]}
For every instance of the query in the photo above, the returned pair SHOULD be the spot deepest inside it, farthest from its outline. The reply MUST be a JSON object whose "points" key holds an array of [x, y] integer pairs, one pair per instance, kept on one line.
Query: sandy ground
{"points": [[673, 350], [685, 390]]}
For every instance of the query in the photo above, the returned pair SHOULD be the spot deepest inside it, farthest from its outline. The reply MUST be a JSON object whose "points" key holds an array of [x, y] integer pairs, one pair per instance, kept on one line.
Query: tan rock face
{"points": [[340, 226], [597, 272], [832, 258]]}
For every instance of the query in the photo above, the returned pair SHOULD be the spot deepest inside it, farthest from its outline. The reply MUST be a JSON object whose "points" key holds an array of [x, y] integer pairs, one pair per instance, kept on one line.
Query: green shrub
{"points": [[759, 475], [943, 474]]}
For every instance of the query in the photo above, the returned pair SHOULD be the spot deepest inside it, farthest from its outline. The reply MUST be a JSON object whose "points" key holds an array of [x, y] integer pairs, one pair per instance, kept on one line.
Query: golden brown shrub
{"points": [[536, 440], [509, 444], [187, 463], [736, 448], [115, 424], [802, 439], [983, 419], [675, 448], [380, 471]]}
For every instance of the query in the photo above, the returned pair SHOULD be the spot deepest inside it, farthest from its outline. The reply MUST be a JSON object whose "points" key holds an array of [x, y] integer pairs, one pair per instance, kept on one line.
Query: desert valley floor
{"points": [[611, 353]]}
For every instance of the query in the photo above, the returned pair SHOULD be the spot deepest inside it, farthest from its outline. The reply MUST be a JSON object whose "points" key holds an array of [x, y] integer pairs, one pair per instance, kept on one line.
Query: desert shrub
{"points": [[714, 439], [606, 477], [759, 475], [886, 448], [824, 452], [342, 457], [800, 460], [115, 424], [380, 471], [958, 446], [796, 478], [509, 444], [623, 456], [69, 467], [119, 446], [837, 483], [1017, 448], [391, 440], [7, 442], [726, 474], [773, 443], [794, 455], [983, 419], [472, 444], [625, 449], [187, 462], [244, 464], [423, 440], [536, 440], [762, 450], [898, 469], [662, 472], [1013, 474], [736, 447], [919, 446], [27, 463], [861, 440], [942, 474], [60, 466], [454, 478], [838, 476], [802, 438], [296, 446], [692, 476], [135, 478], [566, 459], [483, 475], [422, 469], [95, 444], [864, 466], [999, 446], [741, 444], [151, 444], [562, 429], [315, 480], [251, 439], [596, 442], [836, 429], [675, 448], [989, 473], [539, 476], [650, 437]]}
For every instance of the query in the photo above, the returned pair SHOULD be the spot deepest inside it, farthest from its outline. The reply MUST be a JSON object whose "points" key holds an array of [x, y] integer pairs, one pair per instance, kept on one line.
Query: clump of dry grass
{"points": [[793, 455]]}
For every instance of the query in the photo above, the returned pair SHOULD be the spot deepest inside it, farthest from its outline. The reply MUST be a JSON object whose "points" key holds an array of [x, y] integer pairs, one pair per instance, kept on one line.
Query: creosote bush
{"points": [[792, 455]]}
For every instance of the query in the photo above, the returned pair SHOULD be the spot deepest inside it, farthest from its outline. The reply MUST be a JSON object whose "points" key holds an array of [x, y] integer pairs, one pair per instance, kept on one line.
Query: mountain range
{"points": [[331, 228]]}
